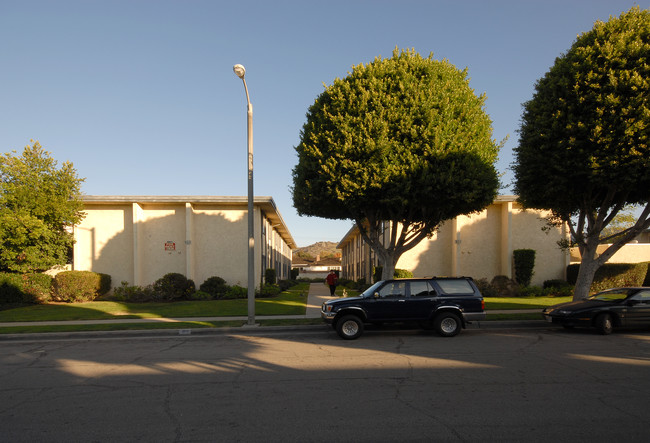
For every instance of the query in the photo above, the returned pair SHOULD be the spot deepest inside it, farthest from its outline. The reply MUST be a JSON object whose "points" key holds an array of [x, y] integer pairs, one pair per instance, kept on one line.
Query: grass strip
{"points": [[503, 303], [287, 303], [154, 325]]}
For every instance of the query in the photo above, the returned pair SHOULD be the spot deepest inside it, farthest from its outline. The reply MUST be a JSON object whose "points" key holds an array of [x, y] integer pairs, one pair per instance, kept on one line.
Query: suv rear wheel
{"points": [[447, 324], [349, 327]]}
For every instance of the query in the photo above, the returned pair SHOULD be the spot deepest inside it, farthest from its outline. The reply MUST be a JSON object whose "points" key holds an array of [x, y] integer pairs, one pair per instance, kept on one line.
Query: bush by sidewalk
{"points": [[24, 288], [79, 286]]}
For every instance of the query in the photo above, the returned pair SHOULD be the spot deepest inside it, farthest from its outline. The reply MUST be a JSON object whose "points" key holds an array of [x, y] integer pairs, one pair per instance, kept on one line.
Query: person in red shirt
{"points": [[332, 279]]}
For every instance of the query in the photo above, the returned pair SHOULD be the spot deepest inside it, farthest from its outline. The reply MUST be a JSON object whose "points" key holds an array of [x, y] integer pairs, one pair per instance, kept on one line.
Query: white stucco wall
{"points": [[104, 242], [629, 253], [480, 245], [138, 240]]}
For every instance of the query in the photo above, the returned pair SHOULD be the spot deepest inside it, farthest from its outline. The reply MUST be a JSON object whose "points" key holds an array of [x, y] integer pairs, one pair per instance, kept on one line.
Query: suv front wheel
{"points": [[349, 327], [447, 324]]}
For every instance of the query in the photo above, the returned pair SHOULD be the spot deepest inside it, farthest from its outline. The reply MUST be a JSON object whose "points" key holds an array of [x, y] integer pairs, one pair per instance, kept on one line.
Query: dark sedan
{"points": [[605, 310]]}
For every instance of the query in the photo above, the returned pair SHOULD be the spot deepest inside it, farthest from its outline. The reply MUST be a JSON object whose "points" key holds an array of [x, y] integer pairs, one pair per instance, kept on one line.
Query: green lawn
{"points": [[522, 302], [292, 302]]}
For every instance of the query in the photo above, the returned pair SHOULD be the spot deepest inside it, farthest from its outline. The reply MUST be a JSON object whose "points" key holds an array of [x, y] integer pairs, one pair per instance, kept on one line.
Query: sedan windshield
{"points": [[609, 296]]}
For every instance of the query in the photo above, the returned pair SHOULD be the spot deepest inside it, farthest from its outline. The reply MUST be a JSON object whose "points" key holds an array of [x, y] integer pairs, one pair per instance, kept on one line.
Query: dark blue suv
{"points": [[445, 304]]}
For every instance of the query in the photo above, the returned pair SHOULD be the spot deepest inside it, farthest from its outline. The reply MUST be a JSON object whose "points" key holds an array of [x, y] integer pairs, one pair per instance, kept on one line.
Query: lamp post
{"points": [[240, 71]]}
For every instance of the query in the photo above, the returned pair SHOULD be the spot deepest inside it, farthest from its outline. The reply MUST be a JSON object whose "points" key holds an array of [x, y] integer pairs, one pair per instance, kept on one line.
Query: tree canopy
{"points": [[38, 205], [404, 140], [583, 147]]}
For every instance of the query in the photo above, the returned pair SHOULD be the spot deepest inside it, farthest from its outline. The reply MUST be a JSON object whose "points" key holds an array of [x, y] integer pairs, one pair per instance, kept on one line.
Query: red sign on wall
{"points": [[170, 246]]}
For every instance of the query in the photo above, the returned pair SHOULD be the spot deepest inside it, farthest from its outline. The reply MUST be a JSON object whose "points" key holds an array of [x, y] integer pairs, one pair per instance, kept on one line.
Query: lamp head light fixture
{"points": [[239, 71]]}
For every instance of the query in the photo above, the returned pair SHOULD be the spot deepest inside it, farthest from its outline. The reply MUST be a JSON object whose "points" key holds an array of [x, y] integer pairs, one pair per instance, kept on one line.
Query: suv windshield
{"points": [[371, 290]]}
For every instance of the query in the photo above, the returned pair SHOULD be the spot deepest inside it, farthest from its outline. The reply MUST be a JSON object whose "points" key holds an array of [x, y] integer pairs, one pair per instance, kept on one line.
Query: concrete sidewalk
{"points": [[318, 293]]}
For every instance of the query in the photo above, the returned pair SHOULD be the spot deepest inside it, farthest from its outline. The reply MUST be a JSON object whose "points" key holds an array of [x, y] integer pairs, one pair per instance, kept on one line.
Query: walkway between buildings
{"points": [[318, 293]]}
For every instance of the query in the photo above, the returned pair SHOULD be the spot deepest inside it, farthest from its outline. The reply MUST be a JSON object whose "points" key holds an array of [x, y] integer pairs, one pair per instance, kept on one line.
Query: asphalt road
{"points": [[299, 386]]}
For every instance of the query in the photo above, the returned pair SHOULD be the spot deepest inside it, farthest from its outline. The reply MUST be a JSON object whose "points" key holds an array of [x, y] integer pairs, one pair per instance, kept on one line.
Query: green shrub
{"points": [[286, 284], [173, 286], [236, 291], [79, 286], [269, 276], [269, 290], [612, 275], [530, 291], [361, 285], [524, 265], [563, 291], [486, 288], [200, 296], [25, 288], [398, 273], [555, 284], [376, 273], [295, 273], [215, 286], [10, 293], [572, 273], [134, 294], [504, 286], [347, 283], [402, 273], [358, 285]]}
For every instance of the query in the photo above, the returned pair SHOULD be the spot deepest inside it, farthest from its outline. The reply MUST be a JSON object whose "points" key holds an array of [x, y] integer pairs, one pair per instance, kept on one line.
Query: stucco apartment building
{"points": [[138, 239], [479, 245]]}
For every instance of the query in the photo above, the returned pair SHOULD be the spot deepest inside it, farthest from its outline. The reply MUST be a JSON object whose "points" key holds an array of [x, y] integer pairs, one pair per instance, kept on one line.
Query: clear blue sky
{"points": [[141, 97]]}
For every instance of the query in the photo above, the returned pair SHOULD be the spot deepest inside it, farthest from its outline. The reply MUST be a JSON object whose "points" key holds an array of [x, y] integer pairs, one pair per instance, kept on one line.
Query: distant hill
{"points": [[323, 249]]}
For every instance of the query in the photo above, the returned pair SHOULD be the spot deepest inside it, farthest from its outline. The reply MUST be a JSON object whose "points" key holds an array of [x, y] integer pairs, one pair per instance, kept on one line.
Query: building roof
{"points": [[266, 204]]}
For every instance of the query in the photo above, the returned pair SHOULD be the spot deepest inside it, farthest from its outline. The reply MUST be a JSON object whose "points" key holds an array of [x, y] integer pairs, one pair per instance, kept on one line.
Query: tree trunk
{"points": [[388, 268], [400, 240], [386, 261], [588, 266]]}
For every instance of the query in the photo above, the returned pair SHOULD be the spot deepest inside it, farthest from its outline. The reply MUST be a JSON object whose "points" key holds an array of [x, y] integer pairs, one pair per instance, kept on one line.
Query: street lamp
{"points": [[240, 71]]}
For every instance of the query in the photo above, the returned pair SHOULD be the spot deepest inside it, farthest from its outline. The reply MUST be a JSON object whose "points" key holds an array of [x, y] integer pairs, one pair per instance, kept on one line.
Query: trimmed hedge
{"points": [[402, 273], [613, 275], [24, 288], [133, 293], [398, 273], [79, 286], [215, 286], [524, 265], [173, 286], [270, 276], [268, 290]]}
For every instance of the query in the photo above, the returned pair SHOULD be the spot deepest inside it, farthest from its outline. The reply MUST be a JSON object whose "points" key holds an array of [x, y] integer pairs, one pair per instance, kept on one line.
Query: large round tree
{"points": [[583, 148], [400, 143], [39, 204]]}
